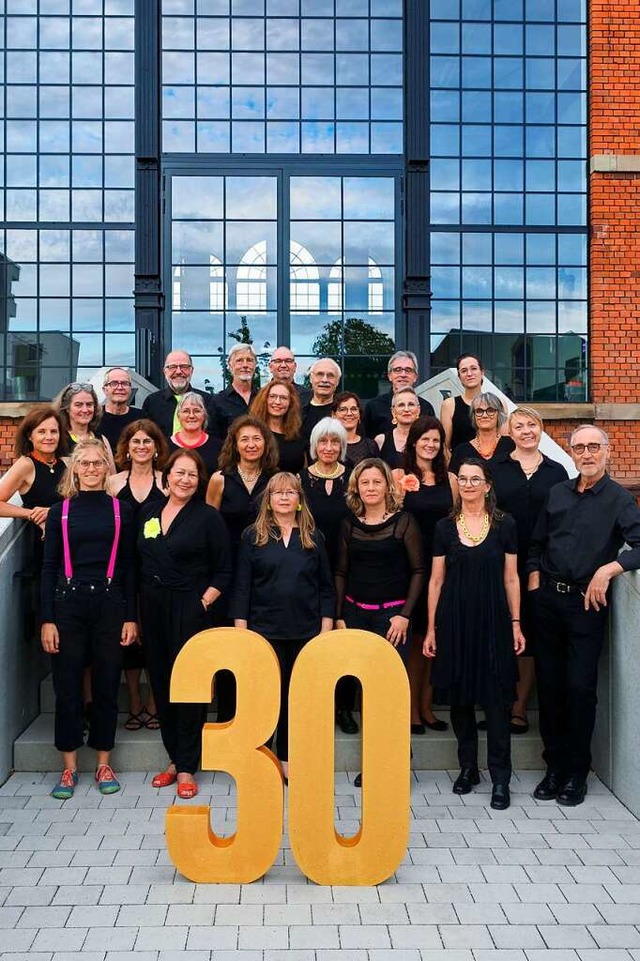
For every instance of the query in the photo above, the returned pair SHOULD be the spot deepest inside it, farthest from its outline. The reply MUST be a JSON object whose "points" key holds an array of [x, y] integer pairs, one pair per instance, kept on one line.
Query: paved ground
{"points": [[92, 875]]}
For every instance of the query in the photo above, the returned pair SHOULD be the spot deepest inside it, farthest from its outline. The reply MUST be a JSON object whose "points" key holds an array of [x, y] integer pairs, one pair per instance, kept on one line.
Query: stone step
{"points": [[143, 751]]}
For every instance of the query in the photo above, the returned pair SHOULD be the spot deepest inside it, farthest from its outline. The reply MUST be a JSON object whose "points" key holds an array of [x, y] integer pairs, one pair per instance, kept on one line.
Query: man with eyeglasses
{"points": [[282, 368], [402, 371], [161, 406], [574, 555], [116, 412]]}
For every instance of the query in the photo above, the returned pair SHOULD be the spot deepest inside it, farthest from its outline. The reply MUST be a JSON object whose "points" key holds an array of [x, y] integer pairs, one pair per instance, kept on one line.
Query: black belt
{"points": [[561, 587]]}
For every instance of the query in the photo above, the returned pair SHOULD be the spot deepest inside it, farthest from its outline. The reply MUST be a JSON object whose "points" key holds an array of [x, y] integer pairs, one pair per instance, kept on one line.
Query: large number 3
{"points": [[325, 856]]}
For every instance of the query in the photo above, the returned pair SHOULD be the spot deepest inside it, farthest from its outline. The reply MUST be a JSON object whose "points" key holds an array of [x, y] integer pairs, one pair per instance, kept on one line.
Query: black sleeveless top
{"points": [[461, 427], [388, 452], [238, 507], [44, 490], [155, 496]]}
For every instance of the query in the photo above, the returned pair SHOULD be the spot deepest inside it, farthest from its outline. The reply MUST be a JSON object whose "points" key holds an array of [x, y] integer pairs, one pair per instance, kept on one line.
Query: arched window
{"points": [[304, 288], [218, 293], [251, 289], [375, 288]]}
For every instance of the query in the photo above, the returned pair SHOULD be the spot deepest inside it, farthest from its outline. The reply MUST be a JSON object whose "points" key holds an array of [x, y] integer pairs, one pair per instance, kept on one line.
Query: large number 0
{"points": [[325, 856]]}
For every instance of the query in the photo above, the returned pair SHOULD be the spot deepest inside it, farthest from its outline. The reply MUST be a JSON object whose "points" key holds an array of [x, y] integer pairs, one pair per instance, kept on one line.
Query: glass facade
{"points": [[282, 139], [66, 243], [508, 203]]}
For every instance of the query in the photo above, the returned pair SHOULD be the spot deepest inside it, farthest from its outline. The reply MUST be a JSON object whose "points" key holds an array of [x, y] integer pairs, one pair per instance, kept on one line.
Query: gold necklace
{"points": [[332, 473], [248, 478], [475, 539]]}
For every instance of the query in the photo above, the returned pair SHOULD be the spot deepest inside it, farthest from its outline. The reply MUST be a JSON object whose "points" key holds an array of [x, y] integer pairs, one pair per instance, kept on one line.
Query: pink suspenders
{"points": [[68, 569]]}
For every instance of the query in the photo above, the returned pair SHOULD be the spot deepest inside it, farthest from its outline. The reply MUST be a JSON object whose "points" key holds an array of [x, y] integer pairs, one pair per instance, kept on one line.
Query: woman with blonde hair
{"points": [[278, 405], [380, 567], [283, 586], [88, 605], [521, 482]]}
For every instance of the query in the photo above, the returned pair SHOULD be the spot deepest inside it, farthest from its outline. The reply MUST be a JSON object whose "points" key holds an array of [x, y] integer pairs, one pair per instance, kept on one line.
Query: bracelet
{"points": [[515, 620]]}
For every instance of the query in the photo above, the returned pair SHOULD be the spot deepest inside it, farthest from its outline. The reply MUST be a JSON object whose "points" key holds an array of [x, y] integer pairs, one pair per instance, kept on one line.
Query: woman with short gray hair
{"points": [[488, 419], [193, 418]]}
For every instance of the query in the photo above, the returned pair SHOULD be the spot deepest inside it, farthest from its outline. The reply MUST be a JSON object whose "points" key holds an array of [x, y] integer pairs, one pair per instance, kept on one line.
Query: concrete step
{"points": [[143, 751]]}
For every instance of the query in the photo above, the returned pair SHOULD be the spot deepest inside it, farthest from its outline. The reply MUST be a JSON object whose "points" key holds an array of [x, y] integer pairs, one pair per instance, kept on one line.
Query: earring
{"points": [[155, 456], [128, 455], [299, 508]]}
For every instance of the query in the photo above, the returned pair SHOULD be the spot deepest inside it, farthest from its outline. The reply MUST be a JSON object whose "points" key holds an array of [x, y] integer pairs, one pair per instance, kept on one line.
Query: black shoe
{"points": [[549, 787], [500, 797], [357, 781], [417, 728], [346, 722], [436, 725], [466, 779], [573, 792]]}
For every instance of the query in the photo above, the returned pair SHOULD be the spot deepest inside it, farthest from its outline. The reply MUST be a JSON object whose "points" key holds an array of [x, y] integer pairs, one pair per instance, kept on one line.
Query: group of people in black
{"points": [[294, 511]]}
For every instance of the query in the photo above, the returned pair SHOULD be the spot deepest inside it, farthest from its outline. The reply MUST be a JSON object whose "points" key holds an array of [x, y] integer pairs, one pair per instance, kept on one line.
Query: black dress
{"points": [[133, 656], [42, 493], [475, 662], [463, 451], [428, 505], [461, 427], [524, 500], [361, 450], [291, 453], [239, 506], [389, 453], [328, 509]]}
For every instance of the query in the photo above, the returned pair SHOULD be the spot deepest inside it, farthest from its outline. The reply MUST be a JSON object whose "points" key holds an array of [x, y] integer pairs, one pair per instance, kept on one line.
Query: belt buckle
{"points": [[563, 588]]}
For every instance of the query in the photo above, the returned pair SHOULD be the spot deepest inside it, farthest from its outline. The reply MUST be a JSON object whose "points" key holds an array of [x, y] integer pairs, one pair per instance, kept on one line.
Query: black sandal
{"points": [[518, 728], [152, 722], [135, 721]]}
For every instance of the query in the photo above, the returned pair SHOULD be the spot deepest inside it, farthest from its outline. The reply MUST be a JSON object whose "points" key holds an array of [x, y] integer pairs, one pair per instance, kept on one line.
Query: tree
{"points": [[361, 350]]}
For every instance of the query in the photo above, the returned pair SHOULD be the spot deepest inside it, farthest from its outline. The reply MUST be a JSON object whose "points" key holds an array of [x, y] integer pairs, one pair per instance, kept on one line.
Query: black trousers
{"points": [[498, 716], [89, 623], [286, 652], [169, 619], [568, 646], [378, 623]]}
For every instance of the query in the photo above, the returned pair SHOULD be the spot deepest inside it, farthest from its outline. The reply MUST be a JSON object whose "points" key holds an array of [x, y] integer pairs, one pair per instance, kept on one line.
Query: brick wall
{"points": [[623, 435], [8, 427], [614, 129]]}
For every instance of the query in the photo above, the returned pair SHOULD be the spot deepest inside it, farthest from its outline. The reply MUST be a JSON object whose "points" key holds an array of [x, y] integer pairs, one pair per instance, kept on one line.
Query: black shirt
{"points": [[522, 498], [380, 562], [377, 414], [231, 404], [291, 453], [576, 533], [283, 592], [91, 533], [112, 425], [313, 415], [160, 407]]}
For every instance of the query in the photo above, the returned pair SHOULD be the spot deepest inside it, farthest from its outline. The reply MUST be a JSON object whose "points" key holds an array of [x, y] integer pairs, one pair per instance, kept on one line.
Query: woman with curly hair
{"points": [[474, 625], [283, 586], [141, 453], [424, 486], [278, 406]]}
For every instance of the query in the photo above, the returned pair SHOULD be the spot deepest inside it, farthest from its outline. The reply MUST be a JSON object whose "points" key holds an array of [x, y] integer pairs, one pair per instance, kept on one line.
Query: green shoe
{"points": [[106, 780], [65, 787]]}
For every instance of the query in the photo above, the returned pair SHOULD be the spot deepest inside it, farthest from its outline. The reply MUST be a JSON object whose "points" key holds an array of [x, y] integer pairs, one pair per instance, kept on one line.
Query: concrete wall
{"points": [[22, 662], [615, 756]]}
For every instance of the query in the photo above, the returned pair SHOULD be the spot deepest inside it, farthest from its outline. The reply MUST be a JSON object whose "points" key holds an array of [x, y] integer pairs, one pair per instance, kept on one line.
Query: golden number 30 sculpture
{"points": [[324, 855]]}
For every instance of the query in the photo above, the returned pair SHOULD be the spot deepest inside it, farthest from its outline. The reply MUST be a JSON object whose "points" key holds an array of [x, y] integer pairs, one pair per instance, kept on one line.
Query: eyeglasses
{"points": [[471, 481], [117, 383], [284, 493], [277, 399], [593, 448], [402, 370], [172, 368], [147, 442], [279, 363], [91, 464], [347, 410], [485, 411]]}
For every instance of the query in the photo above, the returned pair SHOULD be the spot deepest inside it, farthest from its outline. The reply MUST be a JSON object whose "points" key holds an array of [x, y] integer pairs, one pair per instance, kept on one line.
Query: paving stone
{"points": [[516, 936], [566, 936]]}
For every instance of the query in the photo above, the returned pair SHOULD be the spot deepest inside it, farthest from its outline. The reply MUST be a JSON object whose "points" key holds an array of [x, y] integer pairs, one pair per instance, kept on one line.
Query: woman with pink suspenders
{"points": [[88, 604]]}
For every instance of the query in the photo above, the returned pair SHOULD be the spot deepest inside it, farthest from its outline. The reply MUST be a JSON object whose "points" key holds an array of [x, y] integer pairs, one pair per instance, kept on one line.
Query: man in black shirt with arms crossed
{"points": [[572, 560]]}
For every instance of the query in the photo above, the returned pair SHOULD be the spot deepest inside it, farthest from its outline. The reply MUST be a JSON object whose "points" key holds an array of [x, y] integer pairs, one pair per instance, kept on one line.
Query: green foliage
{"points": [[361, 350]]}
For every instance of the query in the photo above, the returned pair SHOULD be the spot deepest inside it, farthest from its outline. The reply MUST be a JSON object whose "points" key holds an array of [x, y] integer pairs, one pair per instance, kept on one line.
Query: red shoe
{"points": [[164, 779], [187, 790]]}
